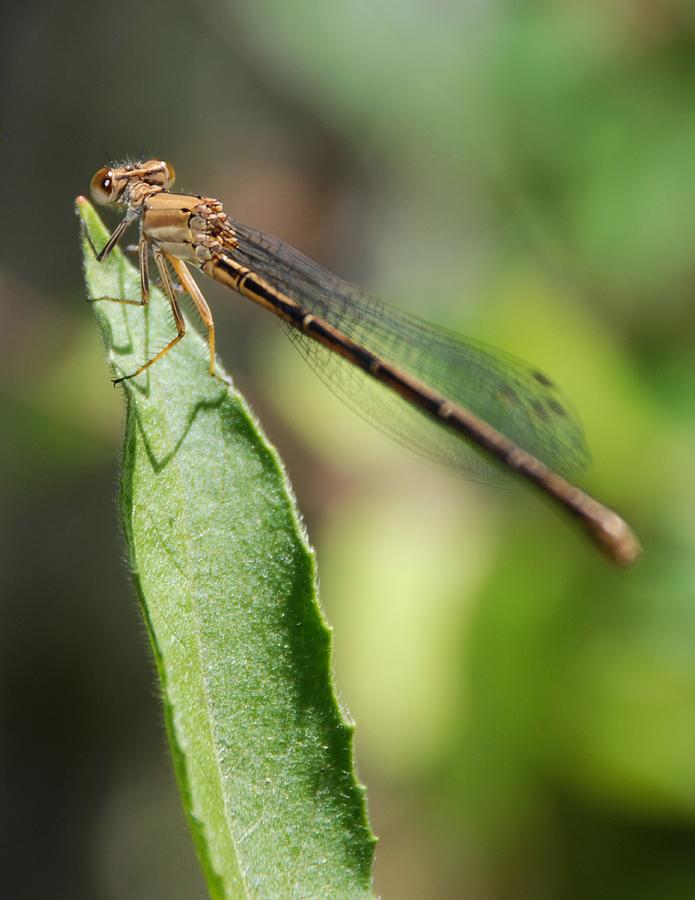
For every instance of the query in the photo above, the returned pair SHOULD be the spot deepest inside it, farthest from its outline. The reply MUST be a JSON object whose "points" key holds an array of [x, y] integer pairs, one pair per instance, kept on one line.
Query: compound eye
{"points": [[101, 186], [171, 174]]}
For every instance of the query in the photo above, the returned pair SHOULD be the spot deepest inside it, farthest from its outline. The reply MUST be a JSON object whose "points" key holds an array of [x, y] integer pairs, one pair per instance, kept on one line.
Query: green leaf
{"points": [[227, 584]]}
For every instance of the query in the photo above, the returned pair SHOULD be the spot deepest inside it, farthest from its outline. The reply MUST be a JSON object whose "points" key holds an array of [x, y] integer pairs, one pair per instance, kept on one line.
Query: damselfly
{"points": [[463, 403]]}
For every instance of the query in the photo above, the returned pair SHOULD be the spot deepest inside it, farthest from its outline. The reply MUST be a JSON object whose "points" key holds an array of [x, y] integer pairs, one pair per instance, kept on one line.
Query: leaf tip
{"points": [[82, 205]]}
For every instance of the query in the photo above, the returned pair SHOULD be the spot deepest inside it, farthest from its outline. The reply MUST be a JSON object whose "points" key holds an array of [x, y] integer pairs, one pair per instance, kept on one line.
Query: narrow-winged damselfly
{"points": [[462, 403]]}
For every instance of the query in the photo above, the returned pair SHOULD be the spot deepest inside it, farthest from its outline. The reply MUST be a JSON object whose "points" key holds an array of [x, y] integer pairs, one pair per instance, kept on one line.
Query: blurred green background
{"points": [[523, 173]]}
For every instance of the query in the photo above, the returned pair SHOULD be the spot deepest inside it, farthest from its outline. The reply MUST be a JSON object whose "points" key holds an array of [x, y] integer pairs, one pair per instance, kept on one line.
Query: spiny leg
{"points": [[115, 237], [175, 308], [106, 250], [196, 296], [144, 272]]}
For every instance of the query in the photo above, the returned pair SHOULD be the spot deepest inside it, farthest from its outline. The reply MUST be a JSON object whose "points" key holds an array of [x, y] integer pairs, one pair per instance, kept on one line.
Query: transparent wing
{"points": [[512, 396]]}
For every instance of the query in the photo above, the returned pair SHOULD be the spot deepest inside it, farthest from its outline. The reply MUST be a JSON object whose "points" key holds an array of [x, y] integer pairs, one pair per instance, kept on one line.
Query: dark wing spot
{"points": [[508, 393], [542, 379], [557, 408], [540, 410]]}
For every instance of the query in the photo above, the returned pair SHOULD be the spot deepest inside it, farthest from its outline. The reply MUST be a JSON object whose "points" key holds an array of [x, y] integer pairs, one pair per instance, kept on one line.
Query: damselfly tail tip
{"points": [[618, 540]]}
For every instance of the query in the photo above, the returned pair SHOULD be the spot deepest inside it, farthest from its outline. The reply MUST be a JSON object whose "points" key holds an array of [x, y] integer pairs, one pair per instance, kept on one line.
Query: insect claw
{"points": [[225, 379]]}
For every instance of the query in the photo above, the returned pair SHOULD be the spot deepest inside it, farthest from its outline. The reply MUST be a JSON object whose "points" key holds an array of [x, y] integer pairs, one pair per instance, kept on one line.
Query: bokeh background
{"points": [[524, 173]]}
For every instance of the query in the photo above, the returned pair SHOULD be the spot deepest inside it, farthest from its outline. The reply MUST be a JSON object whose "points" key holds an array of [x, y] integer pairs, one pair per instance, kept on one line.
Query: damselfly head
{"points": [[109, 184]]}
